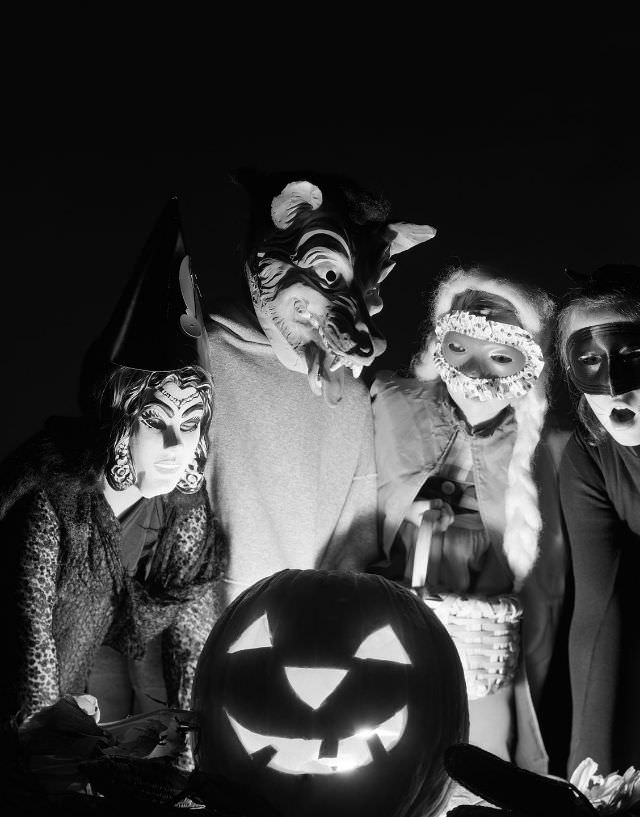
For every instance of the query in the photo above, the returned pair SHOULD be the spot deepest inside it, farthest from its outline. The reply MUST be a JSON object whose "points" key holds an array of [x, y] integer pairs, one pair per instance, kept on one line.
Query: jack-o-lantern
{"points": [[331, 693]]}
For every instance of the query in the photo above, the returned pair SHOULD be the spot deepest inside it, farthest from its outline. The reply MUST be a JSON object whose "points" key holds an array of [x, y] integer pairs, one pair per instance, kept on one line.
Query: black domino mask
{"points": [[605, 359]]}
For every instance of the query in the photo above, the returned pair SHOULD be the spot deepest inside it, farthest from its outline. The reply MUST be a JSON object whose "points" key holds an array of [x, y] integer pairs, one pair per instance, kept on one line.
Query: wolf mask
{"points": [[318, 251]]}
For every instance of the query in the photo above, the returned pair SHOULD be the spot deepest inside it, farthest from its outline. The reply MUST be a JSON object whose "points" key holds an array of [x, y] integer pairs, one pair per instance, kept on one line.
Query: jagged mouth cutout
{"points": [[313, 686], [338, 357]]}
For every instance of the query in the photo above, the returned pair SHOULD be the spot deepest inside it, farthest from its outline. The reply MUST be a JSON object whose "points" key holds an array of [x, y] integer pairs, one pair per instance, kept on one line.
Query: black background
{"points": [[529, 176]]}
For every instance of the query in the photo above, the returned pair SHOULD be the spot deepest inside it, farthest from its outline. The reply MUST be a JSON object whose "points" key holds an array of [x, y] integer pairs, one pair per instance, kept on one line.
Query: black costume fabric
{"points": [[67, 588], [516, 792], [140, 528], [599, 487]]}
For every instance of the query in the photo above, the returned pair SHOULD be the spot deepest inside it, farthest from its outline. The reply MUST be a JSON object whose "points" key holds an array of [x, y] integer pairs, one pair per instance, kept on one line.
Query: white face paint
{"points": [[619, 415], [313, 686], [165, 438]]}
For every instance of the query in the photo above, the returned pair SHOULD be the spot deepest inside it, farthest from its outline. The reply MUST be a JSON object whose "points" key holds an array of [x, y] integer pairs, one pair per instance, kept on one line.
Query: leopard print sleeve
{"points": [[198, 558], [38, 676], [190, 556], [183, 642], [188, 567]]}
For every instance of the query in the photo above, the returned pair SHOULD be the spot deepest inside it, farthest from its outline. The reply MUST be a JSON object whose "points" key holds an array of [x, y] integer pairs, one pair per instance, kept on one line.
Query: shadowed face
{"points": [[165, 437]]}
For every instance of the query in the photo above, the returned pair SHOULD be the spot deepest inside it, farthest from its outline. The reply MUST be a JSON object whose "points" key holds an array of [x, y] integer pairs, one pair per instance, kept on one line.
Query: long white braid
{"points": [[522, 512]]}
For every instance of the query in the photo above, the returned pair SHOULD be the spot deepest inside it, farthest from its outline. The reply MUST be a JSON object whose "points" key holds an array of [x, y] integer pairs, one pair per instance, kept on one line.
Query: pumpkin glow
{"points": [[331, 693], [313, 685]]}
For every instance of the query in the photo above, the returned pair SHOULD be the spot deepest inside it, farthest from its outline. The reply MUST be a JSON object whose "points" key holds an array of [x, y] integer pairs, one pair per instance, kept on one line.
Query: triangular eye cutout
{"points": [[256, 635], [383, 645]]}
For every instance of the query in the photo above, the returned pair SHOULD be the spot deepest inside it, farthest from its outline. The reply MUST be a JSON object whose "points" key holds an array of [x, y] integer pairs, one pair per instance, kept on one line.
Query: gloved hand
{"points": [[516, 792]]}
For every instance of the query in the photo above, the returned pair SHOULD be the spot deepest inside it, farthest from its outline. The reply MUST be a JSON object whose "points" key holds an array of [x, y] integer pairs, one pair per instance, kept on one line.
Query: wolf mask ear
{"points": [[402, 236], [296, 195]]}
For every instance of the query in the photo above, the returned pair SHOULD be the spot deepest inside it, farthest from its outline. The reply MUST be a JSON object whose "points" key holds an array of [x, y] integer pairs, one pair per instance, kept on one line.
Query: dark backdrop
{"points": [[531, 182]]}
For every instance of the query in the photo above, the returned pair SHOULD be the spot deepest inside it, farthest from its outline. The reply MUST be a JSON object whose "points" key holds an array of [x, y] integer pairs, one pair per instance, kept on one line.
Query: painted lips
{"points": [[168, 466], [622, 416]]}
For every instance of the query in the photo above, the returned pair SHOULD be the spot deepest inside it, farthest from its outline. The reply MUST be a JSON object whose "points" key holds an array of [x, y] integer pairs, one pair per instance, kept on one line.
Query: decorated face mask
{"points": [[315, 283], [484, 359], [165, 438], [605, 359], [330, 693]]}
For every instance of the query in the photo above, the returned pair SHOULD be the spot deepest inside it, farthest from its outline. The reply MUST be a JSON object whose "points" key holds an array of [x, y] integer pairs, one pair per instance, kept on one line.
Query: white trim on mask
{"points": [[479, 327]]}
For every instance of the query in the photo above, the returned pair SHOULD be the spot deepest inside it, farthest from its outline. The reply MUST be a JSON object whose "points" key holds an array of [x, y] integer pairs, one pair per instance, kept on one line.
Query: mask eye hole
{"points": [[255, 637], [589, 359], [330, 271], [383, 645]]}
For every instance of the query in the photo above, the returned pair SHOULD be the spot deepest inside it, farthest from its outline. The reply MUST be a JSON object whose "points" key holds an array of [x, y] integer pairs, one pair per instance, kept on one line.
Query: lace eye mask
{"points": [[488, 388]]}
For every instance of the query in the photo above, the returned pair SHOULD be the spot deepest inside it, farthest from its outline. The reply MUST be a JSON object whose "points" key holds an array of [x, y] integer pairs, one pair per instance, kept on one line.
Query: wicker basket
{"points": [[485, 629], [486, 632]]}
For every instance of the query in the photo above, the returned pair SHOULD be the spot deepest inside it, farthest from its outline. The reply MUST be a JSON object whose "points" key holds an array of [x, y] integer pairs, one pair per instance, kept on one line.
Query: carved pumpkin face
{"points": [[331, 693]]}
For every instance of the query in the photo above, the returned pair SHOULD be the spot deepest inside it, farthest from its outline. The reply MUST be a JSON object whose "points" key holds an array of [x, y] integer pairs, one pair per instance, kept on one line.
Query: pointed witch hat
{"points": [[158, 323]]}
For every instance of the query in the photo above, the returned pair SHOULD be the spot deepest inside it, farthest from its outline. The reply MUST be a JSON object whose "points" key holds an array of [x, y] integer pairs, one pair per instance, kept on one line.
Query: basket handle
{"points": [[421, 553]]}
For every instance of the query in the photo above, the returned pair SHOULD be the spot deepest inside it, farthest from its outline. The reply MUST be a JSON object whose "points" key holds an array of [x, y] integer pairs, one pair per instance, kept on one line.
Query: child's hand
{"points": [[89, 704], [437, 511]]}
